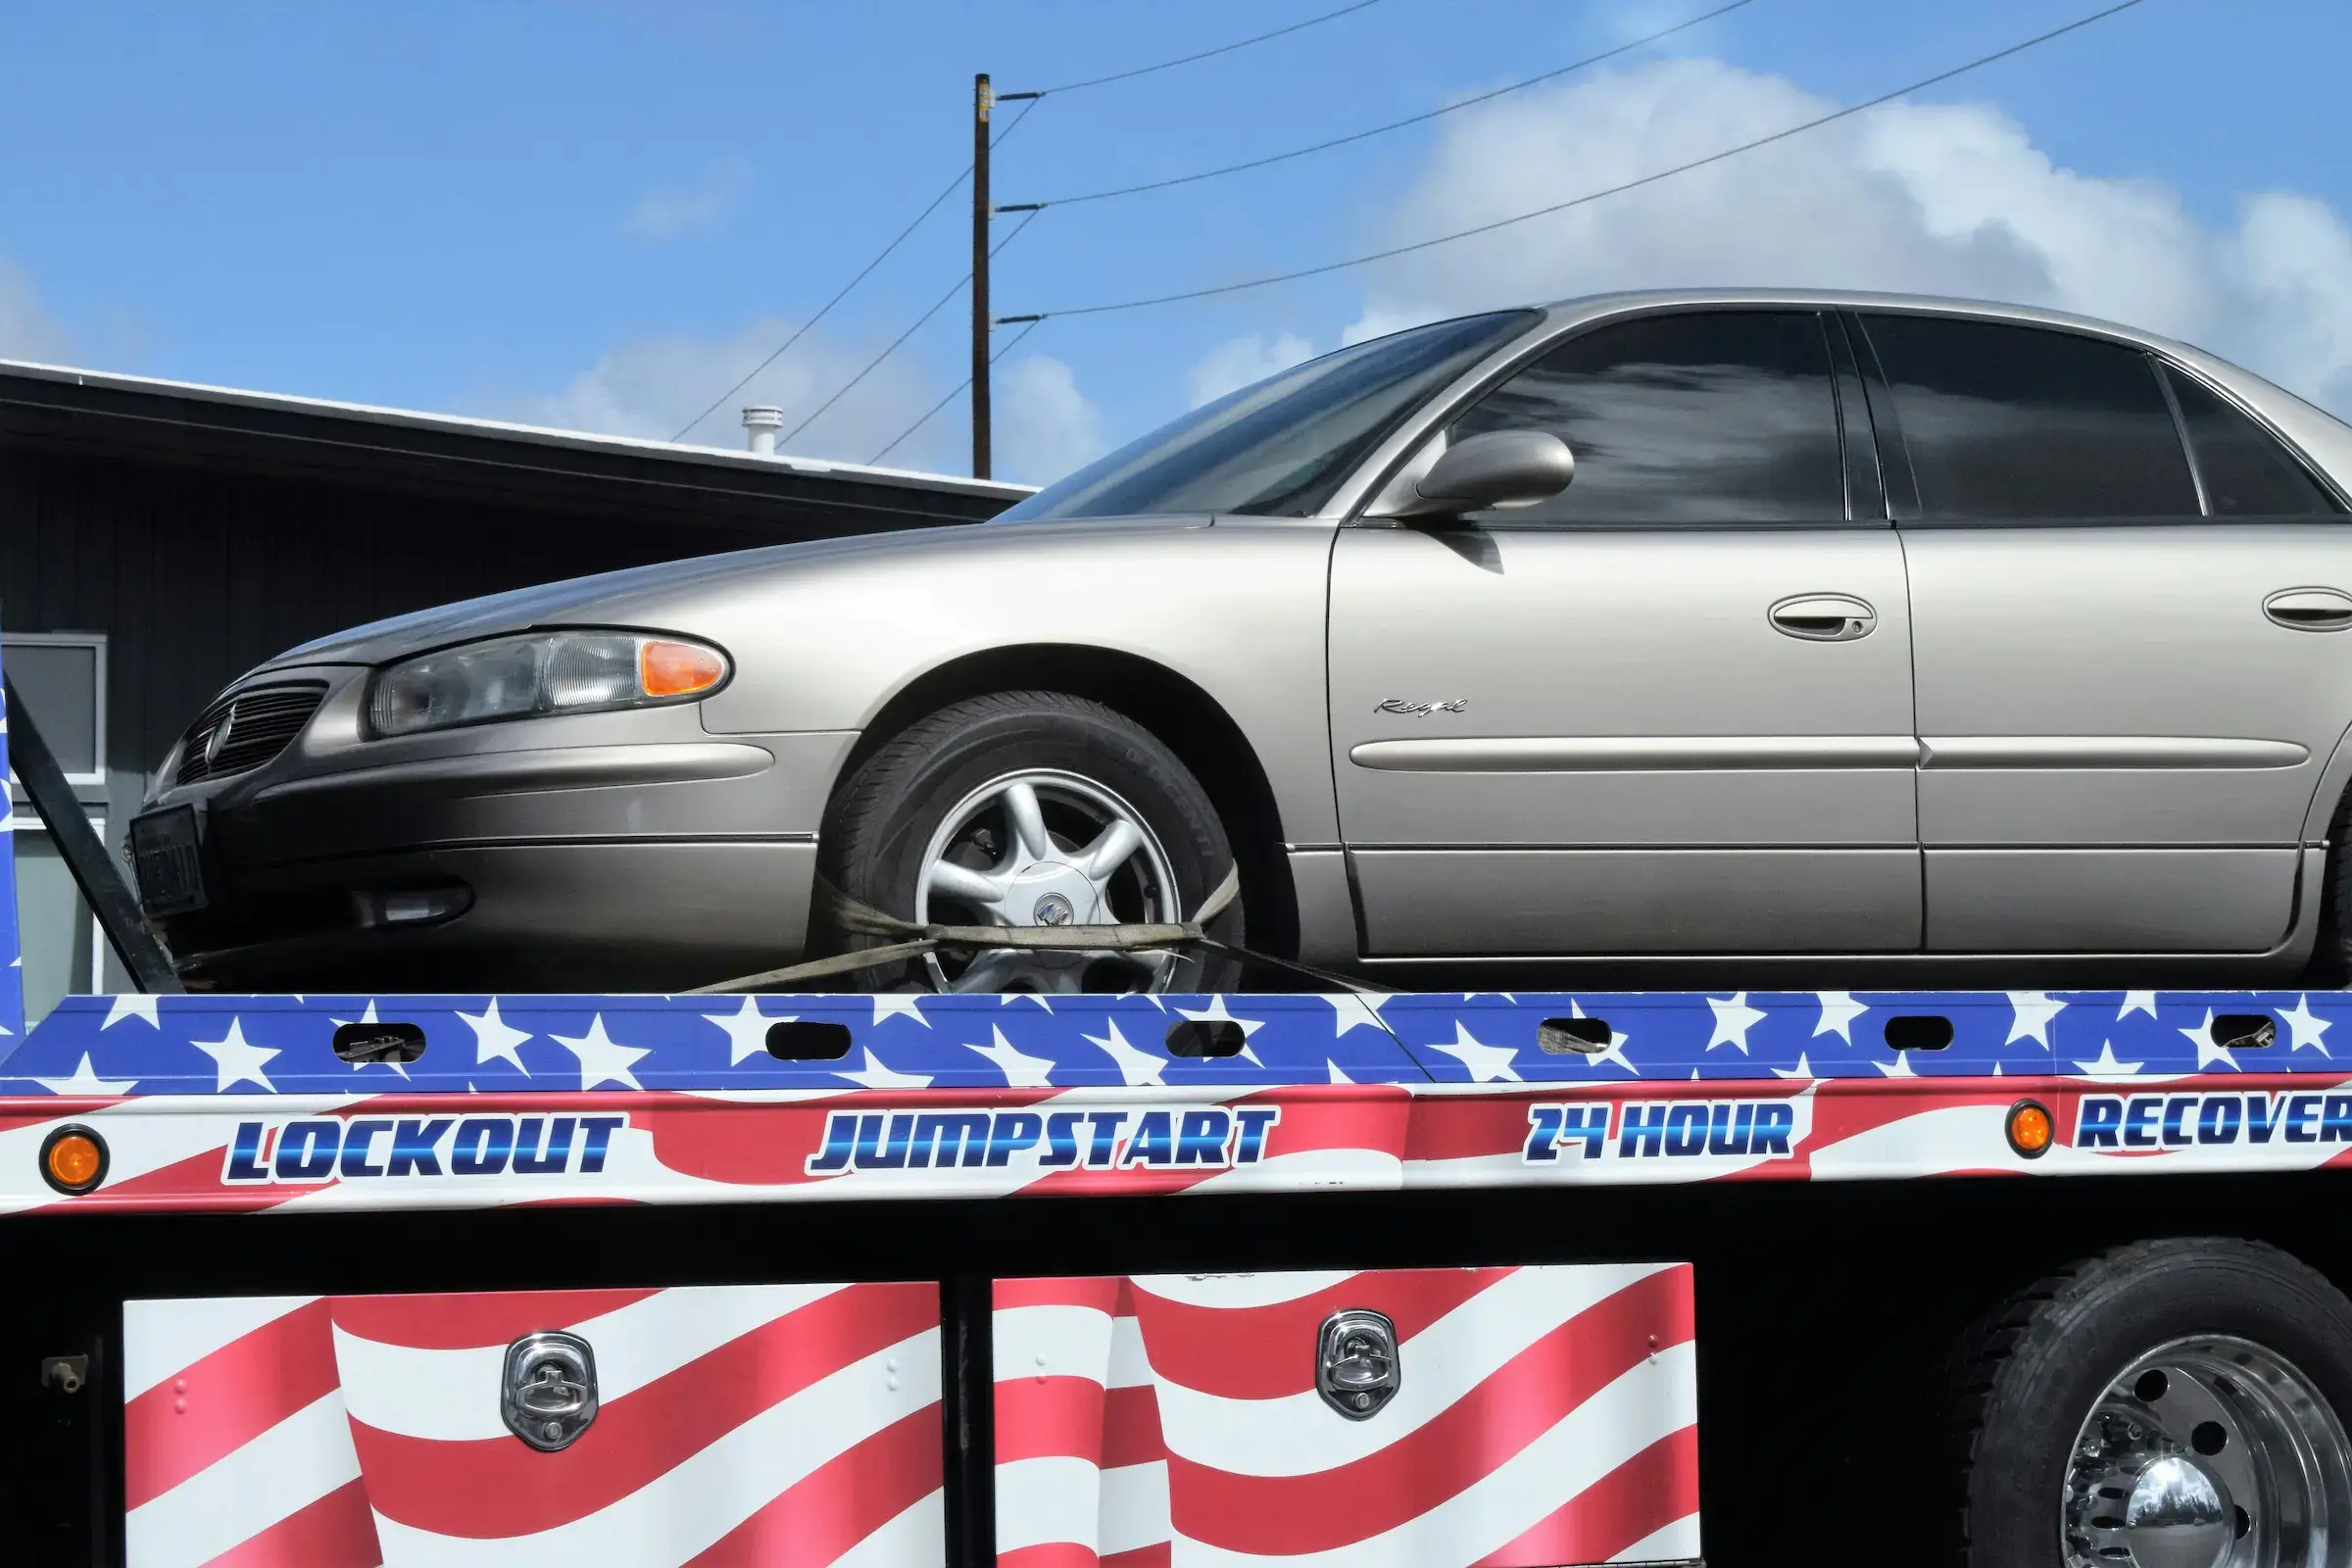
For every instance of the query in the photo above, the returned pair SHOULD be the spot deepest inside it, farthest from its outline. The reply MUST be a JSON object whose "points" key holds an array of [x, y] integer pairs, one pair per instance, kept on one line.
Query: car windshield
{"points": [[1280, 448]]}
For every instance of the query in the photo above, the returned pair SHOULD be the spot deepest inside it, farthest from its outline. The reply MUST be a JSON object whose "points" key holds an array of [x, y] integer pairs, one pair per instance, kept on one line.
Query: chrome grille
{"points": [[246, 728]]}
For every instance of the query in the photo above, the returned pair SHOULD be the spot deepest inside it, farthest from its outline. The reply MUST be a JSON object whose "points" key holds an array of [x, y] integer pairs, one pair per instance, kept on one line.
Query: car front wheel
{"points": [[1030, 808]]}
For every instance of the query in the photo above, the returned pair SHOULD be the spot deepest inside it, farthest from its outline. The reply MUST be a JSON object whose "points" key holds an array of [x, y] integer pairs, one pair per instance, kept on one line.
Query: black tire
{"points": [[2331, 952], [2030, 1374], [883, 816]]}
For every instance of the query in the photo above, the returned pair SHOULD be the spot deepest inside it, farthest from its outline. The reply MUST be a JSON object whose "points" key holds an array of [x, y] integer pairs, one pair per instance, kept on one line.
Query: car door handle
{"points": [[1822, 617], [2310, 608]]}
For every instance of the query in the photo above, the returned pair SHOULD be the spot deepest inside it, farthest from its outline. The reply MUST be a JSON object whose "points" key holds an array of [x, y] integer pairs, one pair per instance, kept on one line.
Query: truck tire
{"points": [[942, 789], [2170, 1403]]}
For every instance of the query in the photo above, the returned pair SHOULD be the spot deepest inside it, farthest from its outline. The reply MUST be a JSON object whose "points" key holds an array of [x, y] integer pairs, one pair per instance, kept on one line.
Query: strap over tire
{"points": [[915, 940]]}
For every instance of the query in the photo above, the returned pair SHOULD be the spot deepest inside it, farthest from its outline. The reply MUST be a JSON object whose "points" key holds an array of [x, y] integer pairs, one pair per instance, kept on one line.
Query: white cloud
{"points": [[650, 386], [2290, 259], [667, 213], [1931, 198], [1239, 361], [26, 330], [1043, 426]]}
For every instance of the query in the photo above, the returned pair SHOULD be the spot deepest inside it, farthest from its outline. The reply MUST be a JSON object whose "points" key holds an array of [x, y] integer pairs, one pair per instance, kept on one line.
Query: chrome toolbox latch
{"points": [[1356, 1366], [549, 1394]]}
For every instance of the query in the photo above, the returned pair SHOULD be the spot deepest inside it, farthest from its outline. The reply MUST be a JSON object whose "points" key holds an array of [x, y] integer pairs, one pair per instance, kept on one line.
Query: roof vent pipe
{"points": [[761, 423]]}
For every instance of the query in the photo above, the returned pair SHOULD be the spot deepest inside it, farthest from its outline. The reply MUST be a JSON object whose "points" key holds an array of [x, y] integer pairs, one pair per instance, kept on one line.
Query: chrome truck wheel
{"points": [[1029, 809], [2208, 1452], [1044, 848], [2167, 1404]]}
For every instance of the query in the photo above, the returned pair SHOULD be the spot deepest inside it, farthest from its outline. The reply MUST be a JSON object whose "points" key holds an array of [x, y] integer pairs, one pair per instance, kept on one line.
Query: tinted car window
{"points": [[2006, 423], [2247, 474], [1281, 448], [1721, 416]]}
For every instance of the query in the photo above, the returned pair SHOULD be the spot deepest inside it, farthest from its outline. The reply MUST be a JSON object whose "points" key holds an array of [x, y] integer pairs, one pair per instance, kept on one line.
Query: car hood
{"points": [[625, 598]]}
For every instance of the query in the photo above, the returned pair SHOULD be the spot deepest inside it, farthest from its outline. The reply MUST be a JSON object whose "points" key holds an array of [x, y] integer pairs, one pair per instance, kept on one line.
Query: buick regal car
{"points": [[1708, 629]]}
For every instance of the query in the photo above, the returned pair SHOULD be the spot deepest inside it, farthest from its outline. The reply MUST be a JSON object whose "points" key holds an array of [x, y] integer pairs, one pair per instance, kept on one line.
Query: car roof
{"points": [[2321, 435], [1567, 311]]}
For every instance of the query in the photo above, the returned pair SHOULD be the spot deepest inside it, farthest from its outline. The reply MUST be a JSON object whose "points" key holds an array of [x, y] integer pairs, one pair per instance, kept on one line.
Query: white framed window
{"points": [[60, 678], [60, 675]]}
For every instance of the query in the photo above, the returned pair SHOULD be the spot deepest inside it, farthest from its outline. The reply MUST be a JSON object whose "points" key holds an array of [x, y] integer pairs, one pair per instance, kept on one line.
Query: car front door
{"points": [[1666, 711], [2121, 720]]}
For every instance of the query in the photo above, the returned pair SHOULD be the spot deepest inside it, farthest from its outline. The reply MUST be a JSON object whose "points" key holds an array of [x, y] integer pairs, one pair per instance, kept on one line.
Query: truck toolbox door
{"points": [[756, 1422], [1516, 1417]]}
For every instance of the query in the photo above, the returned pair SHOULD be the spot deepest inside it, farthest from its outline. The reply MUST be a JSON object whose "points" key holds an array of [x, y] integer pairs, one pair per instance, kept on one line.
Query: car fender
{"points": [[1237, 609]]}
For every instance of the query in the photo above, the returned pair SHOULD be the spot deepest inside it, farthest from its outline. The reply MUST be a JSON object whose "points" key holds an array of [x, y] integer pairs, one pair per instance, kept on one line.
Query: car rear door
{"points": [[1668, 710], [2122, 722]]}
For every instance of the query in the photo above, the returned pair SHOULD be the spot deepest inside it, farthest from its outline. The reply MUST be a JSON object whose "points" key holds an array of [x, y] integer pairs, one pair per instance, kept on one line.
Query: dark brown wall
{"points": [[198, 574]]}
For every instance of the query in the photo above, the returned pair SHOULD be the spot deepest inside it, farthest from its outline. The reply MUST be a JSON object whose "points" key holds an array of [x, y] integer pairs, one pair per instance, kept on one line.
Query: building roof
{"points": [[104, 415]]}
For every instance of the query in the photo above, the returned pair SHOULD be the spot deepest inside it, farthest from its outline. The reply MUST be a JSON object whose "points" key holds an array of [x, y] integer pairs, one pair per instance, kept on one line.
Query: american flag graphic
{"points": [[231, 1104], [1544, 1416], [792, 1426]]}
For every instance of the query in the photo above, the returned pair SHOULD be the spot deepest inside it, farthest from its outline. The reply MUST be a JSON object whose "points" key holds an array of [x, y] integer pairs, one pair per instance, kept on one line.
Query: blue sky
{"points": [[601, 214]]}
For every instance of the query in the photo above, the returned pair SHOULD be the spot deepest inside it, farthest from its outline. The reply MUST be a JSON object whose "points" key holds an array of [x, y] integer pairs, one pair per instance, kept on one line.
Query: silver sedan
{"points": [[1722, 630]]}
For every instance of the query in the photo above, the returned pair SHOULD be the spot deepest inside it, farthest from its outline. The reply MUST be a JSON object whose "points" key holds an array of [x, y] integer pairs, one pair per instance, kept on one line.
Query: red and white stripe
{"points": [[1082, 1473], [1545, 1416], [236, 1450], [780, 1425]]}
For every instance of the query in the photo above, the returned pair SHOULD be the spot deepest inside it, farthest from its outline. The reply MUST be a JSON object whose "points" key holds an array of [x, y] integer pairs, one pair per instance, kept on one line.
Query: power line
{"points": [[1012, 343], [1590, 196], [1398, 125], [895, 343], [1210, 54], [880, 257], [953, 186]]}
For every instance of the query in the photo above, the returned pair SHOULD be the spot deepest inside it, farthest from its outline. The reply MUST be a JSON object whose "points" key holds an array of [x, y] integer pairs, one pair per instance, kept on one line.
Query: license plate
{"points": [[163, 854]]}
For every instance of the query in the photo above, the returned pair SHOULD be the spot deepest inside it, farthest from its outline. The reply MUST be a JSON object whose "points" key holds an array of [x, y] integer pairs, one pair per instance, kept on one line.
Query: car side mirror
{"points": [[1500, 469]]}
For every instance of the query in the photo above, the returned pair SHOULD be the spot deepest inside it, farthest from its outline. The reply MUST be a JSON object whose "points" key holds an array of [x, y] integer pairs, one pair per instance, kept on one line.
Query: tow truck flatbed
{"points": [[1486, 1280]]}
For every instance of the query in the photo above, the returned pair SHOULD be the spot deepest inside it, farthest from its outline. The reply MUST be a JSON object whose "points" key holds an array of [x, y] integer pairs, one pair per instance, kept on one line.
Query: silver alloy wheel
{"points": [[1041, 847], [2208, 1452]]}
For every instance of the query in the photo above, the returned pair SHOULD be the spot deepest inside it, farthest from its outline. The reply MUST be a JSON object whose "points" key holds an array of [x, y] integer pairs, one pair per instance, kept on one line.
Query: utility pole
{"points": [[981, 101], [984, 99]]}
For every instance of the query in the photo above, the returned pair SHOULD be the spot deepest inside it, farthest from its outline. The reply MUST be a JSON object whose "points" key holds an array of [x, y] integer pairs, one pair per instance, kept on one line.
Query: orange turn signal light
{"points": [[73, 1160], [2031, 1130], [679, 669]]}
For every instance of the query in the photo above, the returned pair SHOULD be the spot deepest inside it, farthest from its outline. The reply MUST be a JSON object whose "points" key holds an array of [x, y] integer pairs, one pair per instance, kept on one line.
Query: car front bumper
{"points": [[606, 852], [613, 916]]}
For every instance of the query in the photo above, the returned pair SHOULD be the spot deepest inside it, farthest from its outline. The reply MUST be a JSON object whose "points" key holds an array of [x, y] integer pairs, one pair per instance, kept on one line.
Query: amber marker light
{"points": [[73, 1160], [679, 669], [2030, 1129]]}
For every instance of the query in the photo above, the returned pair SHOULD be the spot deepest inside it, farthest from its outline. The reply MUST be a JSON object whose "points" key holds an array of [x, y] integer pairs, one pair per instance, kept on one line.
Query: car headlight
{"points": [[544, 672]]}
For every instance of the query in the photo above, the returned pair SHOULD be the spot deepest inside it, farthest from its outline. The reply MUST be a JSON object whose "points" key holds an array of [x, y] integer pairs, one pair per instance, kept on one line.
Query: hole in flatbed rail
{"points": [[2244, 1031], [1584, 1037], [1919, 1031], [396, 1043], [1215, 1037], [808, 1039]]}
